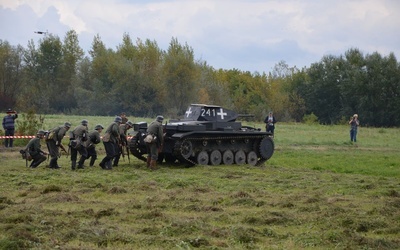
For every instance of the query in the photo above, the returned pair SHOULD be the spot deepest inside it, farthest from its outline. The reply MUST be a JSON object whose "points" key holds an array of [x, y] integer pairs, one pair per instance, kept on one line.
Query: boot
{"points": [[153, 165], [148, 161], [109, 165], [73, 165], [81, 161], [92, 160], [53, 163], [103, 164]]}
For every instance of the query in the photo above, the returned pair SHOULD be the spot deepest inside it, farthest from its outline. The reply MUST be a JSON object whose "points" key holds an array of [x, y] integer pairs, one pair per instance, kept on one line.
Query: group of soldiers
{"points": [[83, 143]]}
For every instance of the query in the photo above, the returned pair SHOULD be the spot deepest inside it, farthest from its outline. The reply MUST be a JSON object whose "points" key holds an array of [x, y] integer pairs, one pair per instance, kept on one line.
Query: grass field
{"points": [[318, 191]]}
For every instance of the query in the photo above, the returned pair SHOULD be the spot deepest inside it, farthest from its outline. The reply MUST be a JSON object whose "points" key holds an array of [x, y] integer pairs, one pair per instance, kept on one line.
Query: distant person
{"points": [[34, 149], [270, 123], [154, 141], [90, 144], [111, 140], [79, 135], [123, 130], [124, 118], [354, 123], [54, 143], [9, 127]]}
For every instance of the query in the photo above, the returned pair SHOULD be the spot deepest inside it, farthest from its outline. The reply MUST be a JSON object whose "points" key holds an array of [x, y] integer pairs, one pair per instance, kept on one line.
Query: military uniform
{"points": [[111, 140], [34, 149], [90, 144], [123, 129], [80, 134], [53, 141], [156, 130]]}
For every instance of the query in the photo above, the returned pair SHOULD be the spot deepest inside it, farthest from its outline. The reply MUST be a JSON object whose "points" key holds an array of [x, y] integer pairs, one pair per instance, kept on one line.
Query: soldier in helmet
{"points": [[155, 130], [123, 129], [53, 141], [90, 144], [111, 140], [79, 135], [34, 149]]}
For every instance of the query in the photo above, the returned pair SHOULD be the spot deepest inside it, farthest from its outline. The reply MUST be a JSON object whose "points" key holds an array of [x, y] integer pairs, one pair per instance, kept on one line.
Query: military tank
{"points": [[207, 135]]}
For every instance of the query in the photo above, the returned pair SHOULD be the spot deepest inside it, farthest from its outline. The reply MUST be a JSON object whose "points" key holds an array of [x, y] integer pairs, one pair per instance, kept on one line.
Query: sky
{"points": [[249, 35]]}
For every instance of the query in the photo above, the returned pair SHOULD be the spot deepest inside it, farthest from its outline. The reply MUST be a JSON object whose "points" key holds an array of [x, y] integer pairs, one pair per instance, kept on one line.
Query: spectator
{"points": [[9, 127], [270, 123], [354, 123]]}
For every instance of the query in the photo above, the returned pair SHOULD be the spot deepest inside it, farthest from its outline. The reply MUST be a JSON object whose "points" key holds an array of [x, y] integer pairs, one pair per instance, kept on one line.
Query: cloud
{"points": [[250, 35]]}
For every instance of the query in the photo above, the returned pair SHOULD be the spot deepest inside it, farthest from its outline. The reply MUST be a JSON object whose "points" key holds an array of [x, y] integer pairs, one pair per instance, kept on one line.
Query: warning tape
{"points": [[33, 136], [18, 137]]}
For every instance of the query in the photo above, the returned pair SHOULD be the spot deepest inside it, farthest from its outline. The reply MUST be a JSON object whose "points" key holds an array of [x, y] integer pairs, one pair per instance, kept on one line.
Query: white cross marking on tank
{"points": [[188, 112], [221, 113]]}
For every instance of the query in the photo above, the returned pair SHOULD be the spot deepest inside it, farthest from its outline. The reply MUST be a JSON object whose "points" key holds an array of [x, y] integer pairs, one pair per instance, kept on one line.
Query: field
{"points": [[318, 191]]}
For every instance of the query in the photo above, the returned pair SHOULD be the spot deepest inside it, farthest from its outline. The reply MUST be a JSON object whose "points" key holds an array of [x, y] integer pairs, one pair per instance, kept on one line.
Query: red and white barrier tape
{"points": [[31, 136], [18, 137]]}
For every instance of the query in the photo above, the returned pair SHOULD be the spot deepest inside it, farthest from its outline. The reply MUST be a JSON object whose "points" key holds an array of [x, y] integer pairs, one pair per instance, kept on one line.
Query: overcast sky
{"points": [[251, 35]]}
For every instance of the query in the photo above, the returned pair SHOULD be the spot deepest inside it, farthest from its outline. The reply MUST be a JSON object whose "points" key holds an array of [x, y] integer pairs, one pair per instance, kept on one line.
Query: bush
{"points": [[310, 119]]}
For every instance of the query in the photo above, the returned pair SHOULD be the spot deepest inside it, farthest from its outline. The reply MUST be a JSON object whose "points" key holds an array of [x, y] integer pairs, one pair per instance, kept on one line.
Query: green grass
{"points": [[318, 191]]}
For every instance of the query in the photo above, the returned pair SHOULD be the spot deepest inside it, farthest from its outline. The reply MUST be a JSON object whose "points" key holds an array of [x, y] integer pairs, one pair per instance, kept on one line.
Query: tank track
{"points": [[182, 153], [135, 150]]}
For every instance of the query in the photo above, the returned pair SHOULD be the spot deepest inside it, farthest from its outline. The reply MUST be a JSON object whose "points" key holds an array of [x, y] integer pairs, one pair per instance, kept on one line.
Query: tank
{"points": [[207, 135]]}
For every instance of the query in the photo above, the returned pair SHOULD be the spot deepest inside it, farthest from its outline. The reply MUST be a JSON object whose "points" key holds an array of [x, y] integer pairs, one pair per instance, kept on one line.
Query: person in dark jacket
{"points": [[111, 140], [270, 123], [53, 141], [9, 127], [154, 144], [79, 136], [34, 149], [90, 144], [123, 130]]}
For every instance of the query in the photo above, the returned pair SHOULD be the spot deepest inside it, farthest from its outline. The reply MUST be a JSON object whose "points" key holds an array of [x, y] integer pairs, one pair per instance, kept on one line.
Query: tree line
{"points": [[139, 78]]}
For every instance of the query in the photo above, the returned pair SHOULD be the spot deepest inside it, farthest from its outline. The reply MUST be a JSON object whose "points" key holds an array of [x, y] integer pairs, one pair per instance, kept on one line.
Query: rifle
{"points": [[63, 149]]}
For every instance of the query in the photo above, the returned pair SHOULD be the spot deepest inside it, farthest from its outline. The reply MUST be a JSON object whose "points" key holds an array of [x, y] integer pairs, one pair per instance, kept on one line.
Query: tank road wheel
{"points": [[227, 157], [240, 157], [252, 158], [215, 157], [202, 158], [266, 148], [186, 149]]}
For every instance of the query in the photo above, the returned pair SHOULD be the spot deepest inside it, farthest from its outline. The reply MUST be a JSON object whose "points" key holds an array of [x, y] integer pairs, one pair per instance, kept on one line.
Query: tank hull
{"points": [[205, 142]]}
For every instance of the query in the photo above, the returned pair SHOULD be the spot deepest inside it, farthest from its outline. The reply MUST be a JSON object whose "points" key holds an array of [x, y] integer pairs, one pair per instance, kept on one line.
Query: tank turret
{"points": [[208, 135]]}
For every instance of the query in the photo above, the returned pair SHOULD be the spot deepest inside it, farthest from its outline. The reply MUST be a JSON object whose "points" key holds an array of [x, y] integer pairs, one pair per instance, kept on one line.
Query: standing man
{"points": [[154, 141], [53, 141], [111, 140], [354, 123], [34, 149], [79, 135], [90, 144], [123, 129], [9, 126], [270, 123]]}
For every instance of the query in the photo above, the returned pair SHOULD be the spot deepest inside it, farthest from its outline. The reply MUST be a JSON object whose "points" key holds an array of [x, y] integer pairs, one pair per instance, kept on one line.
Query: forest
{"points": [[137, 77]]}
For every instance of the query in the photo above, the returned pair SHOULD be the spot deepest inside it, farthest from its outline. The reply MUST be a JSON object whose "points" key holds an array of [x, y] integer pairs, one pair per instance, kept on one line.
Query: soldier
{"points": [[90, 144], [124, 118], [34, 149], [154, 140], [123, 129], [111, 141], [53, 141], [77, 137], [9, 127]]}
